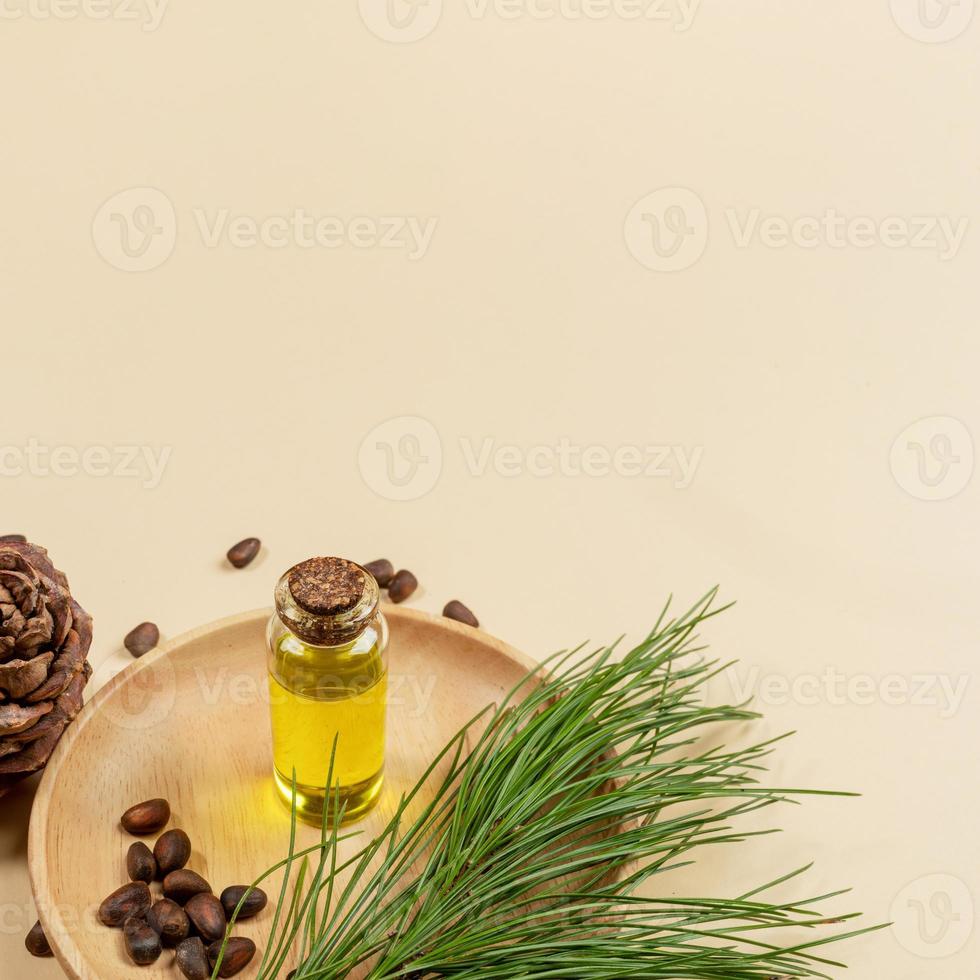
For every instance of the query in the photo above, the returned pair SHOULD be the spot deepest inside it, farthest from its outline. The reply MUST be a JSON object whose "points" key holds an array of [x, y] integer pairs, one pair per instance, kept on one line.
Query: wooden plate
{"points": [[189, 723]]}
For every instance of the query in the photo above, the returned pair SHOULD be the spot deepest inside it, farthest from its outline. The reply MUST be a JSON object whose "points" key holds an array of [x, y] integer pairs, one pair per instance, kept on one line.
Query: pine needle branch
{"points": [[584, 784]]}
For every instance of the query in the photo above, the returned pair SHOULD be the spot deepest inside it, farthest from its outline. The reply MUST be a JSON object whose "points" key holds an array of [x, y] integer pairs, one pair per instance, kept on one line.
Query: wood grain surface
{"points": [[189, 723]]}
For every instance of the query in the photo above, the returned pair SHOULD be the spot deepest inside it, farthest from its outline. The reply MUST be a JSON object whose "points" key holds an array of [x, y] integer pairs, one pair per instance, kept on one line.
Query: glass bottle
{"points": [[328, 679]]}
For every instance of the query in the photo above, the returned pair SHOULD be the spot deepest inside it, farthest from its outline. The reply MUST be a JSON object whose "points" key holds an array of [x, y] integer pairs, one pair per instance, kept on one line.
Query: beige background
{"points": [[787, 373]]}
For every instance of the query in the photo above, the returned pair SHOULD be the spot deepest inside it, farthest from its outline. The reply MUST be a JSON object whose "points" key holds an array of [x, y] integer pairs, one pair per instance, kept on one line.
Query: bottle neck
{"points": [[334, 629]]}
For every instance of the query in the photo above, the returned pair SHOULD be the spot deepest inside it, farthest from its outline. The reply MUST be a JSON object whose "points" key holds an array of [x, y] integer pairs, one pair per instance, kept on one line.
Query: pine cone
{"points": [[44, 641]]}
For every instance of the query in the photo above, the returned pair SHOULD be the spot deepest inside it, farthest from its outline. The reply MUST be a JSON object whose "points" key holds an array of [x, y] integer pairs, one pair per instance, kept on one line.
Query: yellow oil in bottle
{"points": [[319, 694]]}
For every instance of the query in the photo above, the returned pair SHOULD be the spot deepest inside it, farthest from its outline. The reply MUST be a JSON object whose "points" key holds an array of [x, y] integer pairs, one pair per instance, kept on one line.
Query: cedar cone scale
{"points": [[45, 637]]}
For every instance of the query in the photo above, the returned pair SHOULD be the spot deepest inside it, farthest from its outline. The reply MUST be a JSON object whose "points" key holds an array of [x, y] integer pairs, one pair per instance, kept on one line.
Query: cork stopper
{"points": [[327, 586], [327, 601]]}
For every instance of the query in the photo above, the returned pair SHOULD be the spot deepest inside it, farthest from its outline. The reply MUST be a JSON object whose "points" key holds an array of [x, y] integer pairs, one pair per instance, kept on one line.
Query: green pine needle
{"points": [[532, 847]]}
